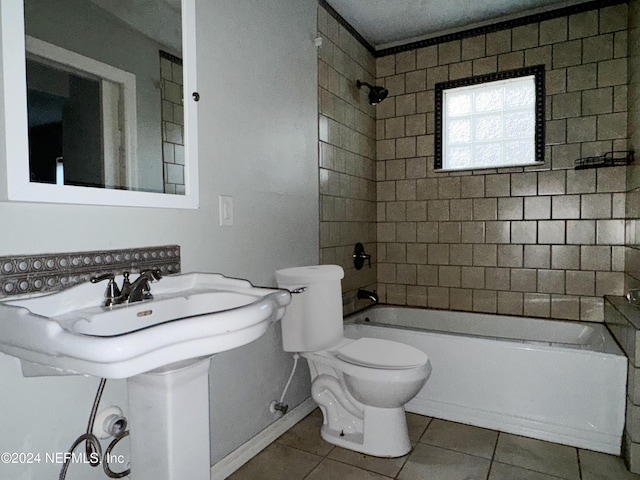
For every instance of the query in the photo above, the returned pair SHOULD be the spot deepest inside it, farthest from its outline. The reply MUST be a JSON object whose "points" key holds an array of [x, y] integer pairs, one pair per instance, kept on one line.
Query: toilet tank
{"points": [[313, 319]]}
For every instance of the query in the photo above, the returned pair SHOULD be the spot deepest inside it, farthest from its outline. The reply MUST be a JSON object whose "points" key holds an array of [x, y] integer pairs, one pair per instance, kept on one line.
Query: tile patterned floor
{"points": [[442, 451]]}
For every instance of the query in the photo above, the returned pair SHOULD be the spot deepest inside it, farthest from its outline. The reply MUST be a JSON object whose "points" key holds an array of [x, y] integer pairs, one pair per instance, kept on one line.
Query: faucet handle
{"points": [[359, 256], [153, 274], [112, 293]]}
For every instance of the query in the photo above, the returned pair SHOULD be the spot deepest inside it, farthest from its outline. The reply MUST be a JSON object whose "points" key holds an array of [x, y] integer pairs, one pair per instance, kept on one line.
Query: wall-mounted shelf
{"points": [[611, 159]]}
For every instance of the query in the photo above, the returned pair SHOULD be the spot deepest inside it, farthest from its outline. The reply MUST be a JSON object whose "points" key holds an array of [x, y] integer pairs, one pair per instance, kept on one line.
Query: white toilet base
{"points": [[385, 433]]}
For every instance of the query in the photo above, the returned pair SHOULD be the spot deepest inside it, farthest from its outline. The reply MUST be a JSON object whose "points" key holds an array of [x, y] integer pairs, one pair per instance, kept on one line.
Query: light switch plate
{"points": [[226, 210]]}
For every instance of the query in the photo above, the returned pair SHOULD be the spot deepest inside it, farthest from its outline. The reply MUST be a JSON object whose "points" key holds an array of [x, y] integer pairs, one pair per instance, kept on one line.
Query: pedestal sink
{"points": [[161, 346]]}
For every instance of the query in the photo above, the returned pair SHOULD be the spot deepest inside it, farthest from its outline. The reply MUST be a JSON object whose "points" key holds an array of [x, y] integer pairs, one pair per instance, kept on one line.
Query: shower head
{"points": [[376, 94]]}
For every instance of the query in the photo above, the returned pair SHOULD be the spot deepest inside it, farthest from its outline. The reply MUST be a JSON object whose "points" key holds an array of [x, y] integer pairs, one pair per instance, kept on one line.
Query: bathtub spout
{"points": [[367, 295]]}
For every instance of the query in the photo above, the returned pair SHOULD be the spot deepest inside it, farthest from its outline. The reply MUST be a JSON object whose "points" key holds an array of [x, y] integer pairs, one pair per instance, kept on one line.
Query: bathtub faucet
{"points": [[367, 295], [633, 296]]}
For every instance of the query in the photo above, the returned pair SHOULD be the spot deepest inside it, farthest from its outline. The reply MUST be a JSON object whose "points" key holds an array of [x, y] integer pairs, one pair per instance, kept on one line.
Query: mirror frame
{"points": [[14, 131]]}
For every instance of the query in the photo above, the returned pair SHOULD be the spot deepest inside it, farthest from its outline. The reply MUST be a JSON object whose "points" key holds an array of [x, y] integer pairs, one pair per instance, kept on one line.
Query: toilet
{"points": [[360, 385]]}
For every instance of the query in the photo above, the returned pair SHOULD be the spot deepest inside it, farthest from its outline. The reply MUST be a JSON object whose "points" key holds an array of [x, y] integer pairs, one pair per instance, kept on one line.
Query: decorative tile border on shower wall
{"points": [[21, 274]]}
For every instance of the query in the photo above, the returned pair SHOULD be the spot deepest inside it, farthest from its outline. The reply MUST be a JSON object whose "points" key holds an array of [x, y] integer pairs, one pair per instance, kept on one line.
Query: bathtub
{"points": [[564, 382]]}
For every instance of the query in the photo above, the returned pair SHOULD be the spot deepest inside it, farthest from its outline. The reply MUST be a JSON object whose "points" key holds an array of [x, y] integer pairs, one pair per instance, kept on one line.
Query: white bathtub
{"points": [[563, 382]]}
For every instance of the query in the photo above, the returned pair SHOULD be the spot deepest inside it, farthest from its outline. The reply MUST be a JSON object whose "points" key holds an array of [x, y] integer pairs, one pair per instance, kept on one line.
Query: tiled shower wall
{"points": [[346, 156], [545, 241], [173, 159], [633, 172]]}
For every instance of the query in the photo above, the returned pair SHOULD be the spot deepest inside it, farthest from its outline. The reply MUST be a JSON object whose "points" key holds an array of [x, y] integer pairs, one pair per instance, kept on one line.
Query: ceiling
{"points": [[387, 23]]}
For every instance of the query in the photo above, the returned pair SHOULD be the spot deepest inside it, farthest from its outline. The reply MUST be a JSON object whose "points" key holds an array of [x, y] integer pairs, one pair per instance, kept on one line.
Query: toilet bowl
{"points": [[361, 385]]}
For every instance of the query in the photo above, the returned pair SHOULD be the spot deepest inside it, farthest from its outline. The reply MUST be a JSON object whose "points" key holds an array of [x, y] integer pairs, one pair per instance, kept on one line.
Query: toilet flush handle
{"points": [[298, 290]]}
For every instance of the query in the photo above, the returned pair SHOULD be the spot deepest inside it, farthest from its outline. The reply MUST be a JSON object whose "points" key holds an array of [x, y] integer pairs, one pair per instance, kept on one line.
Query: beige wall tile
{"points": [[565, 206], [565, 257], [438, 254], [583, 24], [551, 281], [551, 231], [449, 187], [592, 309], [553, 31], [581, 231], [498, 185], [485, 301], [524, 184], [473, 232], [580, 283], [498, 42], [610, 232], [565, 306], [566, 54], [596, 206], [485, 209], [472, 186], [510, 256], [449, 52], [461, 254], [510, 303], [510, 208], [461, 209], [582, 77], [472, 277], [449, 232], [537, 305], [536, 208], [497, 278], [449, 276], [595, 257], [497, 232], [609, 283], [524, 37], [461, 299], [438, 297], [416, 296], [485, 255], [523, 280], [524, 232], [537, 256]]}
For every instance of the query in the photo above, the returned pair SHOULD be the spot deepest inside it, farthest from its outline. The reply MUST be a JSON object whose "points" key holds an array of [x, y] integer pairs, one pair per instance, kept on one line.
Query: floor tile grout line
{"points": [[493, 454], [313, 469], [579, 463]]}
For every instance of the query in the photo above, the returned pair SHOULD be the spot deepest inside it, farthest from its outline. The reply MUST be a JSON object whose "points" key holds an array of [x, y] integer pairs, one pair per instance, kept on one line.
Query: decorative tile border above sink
{"points": [[24, 274]]}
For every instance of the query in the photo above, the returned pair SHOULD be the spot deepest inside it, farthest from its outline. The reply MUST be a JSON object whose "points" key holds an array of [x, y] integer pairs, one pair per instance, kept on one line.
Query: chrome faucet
{"points": [[633, 296], [367, 295], [139, 289], [130, 292]]}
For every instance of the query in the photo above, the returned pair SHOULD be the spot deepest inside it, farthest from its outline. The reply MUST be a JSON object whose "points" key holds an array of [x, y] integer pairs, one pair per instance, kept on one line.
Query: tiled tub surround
{"points": [[346, 156], [544, 241], [26, 274], [624, 322]]}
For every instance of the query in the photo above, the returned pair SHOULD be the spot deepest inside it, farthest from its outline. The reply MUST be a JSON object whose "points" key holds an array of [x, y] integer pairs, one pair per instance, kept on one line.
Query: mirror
{"points": [[106, 115]]}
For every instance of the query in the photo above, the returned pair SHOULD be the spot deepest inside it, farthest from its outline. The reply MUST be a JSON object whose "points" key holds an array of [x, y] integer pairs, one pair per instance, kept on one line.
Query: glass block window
{"points": [[490, 121]]}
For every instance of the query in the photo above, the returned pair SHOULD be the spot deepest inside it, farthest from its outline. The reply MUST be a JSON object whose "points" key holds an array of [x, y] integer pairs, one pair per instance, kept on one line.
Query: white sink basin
{"points": [[191, 316]]}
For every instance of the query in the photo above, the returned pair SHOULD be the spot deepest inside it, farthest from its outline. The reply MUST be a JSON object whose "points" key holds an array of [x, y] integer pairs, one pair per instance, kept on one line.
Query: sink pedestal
{"points": [[169, 422]]}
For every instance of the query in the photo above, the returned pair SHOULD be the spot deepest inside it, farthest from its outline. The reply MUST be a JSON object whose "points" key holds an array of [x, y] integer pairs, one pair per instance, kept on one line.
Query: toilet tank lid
{"points": [[310, 274]]}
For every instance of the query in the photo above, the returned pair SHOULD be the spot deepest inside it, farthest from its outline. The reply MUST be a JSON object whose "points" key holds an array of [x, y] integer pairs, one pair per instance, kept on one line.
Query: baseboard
{"points": [[255, 445]]}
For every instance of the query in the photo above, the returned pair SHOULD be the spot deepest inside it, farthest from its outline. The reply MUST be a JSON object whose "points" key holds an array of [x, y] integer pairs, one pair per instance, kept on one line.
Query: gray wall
{"points": [[258, 142]]}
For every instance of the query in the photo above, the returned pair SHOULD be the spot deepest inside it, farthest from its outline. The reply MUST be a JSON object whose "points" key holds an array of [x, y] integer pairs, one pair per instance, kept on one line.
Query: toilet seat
{"points": [[383, 354]]}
